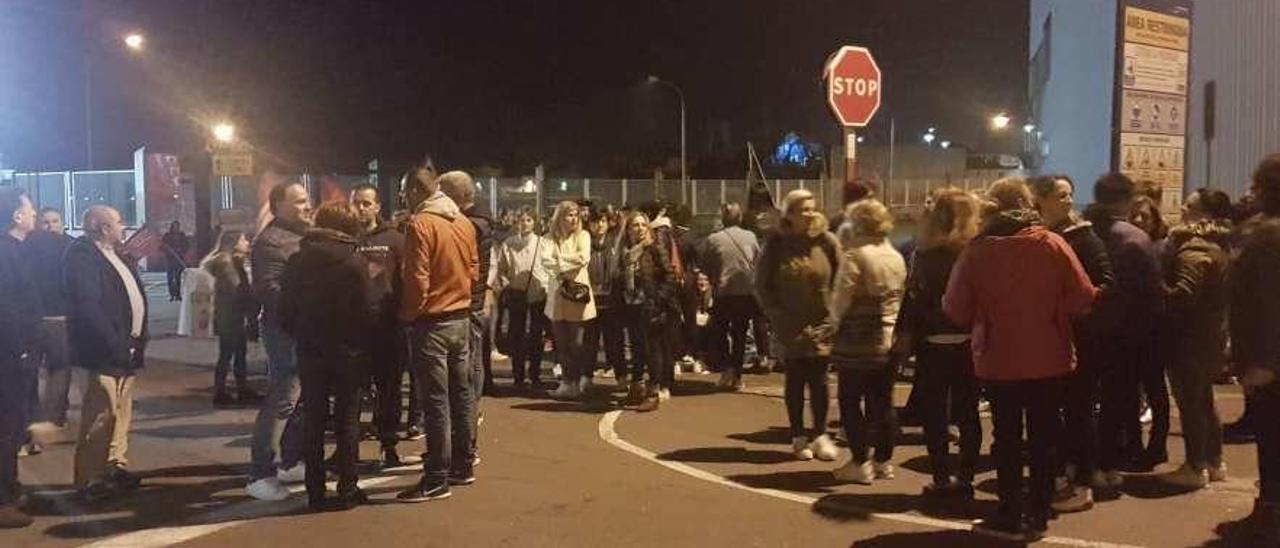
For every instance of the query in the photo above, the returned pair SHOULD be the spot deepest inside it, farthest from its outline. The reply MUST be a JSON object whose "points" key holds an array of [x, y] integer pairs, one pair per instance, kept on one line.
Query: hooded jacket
{"points": [[921, 314], [794, 280], [1017, 286], [441, 262], [325, 298], [1255, 303], [1131, 305], [271, 251], [1092, 253], [383, 248], [1196, 294]]}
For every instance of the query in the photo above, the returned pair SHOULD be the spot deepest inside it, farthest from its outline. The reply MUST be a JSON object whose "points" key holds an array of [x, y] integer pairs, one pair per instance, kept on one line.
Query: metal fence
{"points": [[72, 192]]}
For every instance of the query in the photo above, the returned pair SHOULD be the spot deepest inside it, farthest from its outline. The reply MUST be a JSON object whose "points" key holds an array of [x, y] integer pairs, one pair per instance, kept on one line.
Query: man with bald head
{"points": [[106, 323]]}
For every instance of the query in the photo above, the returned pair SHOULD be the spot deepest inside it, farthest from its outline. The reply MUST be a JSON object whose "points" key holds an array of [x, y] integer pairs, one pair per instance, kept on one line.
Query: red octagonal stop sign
{"points": [[853, 85]]}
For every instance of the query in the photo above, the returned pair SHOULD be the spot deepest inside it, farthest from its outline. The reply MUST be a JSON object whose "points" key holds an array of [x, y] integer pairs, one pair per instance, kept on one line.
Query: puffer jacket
{"points": [[865, 303], [1197, 293], [272, 249], [1255, 303], [1017, 286], [794, 280]]}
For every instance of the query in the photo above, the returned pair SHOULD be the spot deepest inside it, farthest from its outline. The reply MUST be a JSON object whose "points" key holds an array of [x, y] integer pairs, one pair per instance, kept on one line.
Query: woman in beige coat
{"points": [[569, 300]]}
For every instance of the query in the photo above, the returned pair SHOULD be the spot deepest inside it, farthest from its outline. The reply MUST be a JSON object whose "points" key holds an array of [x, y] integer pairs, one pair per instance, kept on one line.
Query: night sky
{"points": [[328, 85]]}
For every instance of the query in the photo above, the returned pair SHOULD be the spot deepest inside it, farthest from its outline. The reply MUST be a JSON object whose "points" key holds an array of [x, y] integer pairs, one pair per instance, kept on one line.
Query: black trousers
{"points": [[1034, 403], [1118, 426], [811, 373], [14, 395], [730, 318], [607, 326], [527, 326], [173, 275], [1267, 402], [340, 373], [231, 353], [1080, 421], [1151, 379], [948, 394], [875, 389], [390, 357]]}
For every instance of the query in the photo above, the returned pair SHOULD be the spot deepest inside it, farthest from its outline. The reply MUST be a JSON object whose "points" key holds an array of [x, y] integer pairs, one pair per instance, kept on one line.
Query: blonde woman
{"points": [[570, 302], [793, 284], [944, 364], [648, 286], [867, 297]]}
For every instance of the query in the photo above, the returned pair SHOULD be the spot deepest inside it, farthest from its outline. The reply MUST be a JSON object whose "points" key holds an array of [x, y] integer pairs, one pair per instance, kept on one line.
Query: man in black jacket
{"points": [[278, 428], [383, 246], [327, 307], [459, 187], [19, 322], [45, 250], [106, 321]]}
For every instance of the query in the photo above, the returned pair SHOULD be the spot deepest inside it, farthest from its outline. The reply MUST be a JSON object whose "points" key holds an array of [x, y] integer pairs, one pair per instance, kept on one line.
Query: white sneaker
{"points": [[800, 448], [584, 385], [1145, 418], [267, 489], [557, 372], [1073, 498], [823, 448], [566, 391], [297, 474], [1186, 476], [1218, 473], [699, 368], [664, 394], [607, 374], [883, 470], [854, 472]]}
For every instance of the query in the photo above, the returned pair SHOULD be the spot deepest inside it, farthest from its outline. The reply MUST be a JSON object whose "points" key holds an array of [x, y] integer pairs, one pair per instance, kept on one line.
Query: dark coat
{"points": [[1196, 295], [1092, 253], [1255, 302], [655, 285], [325, 298], [20, 314], [484, 245], [45, 253], [1130, 307], [233, 303], [383, 248], [98, 313], [921, 314], [272, 249]]}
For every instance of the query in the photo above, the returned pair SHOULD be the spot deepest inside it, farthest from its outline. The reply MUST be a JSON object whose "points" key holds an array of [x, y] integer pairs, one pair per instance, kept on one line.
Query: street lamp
{"points": [[1000, 121], [928, 138], [684, 167], [945, 144], [224, 132], [134, 41], [1028, 128]]}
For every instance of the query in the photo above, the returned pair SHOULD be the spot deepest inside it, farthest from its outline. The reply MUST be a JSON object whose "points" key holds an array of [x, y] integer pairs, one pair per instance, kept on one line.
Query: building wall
{"points": [[1235, 43], [1076, 112]]}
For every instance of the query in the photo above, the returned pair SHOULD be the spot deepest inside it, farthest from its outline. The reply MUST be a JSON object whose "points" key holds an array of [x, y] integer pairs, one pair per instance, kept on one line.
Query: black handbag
{"points": [[575, 292]]}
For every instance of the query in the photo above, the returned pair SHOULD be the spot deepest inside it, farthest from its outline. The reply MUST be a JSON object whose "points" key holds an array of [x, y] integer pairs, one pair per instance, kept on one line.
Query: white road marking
{"points": [[609, 434], [235, 514]]}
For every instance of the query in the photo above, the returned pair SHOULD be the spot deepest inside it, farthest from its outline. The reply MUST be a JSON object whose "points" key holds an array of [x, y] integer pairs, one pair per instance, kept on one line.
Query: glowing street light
{"points": [[929, 137], [1000, 121], [1028, 128], [224, 132], [861, 139], [945, 144], [134, 41]]}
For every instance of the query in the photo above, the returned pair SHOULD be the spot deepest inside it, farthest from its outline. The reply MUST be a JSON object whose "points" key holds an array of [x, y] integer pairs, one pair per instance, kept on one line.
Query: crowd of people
{"points": [[1066, 324]]}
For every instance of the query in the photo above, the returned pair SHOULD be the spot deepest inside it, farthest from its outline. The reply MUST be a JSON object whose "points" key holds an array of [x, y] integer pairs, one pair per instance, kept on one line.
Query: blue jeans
{"points": [[278, 428], [440, 351]]}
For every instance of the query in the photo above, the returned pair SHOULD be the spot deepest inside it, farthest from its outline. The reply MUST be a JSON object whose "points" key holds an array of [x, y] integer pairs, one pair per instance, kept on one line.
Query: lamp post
{"points": [[134, 42], [684, 166]]}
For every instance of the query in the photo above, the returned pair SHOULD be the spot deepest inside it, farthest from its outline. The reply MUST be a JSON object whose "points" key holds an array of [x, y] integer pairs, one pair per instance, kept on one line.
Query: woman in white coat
{"points": [[569, 300]]}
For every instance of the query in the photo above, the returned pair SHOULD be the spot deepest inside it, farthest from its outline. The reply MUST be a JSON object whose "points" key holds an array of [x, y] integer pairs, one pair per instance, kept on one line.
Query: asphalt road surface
{"points": [[708, 469]]}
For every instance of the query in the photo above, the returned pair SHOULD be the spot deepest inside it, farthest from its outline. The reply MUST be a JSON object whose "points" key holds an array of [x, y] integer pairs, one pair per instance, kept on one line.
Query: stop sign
{"points": [[853, 85]]}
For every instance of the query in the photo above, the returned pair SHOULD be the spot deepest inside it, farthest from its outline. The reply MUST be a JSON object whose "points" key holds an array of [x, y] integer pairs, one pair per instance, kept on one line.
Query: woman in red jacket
{"points": [[1016, 287]]}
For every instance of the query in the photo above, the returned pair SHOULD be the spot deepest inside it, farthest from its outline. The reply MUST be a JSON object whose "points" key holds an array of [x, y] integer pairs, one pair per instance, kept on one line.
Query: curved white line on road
{"points": [[609, 434]]}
